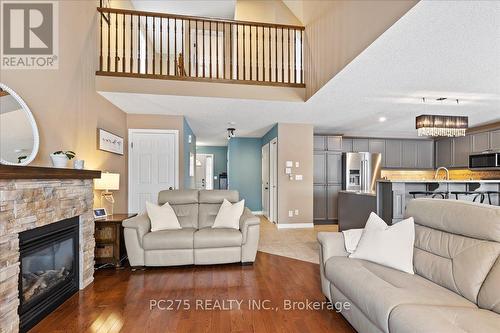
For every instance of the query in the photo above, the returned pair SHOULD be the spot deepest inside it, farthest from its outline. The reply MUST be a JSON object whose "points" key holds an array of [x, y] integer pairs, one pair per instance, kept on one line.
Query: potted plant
{"points": [[60, 158]]}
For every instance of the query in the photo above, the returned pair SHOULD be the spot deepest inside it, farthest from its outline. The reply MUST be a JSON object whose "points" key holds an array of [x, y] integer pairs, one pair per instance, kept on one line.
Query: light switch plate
{"points": [[298, 177], [288, 171], [289, 164], [296, 212], [290, 213], [297, 164]]}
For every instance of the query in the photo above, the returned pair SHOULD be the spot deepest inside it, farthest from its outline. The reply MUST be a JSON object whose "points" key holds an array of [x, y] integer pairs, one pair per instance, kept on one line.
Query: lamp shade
{"points": [[108, 181]]}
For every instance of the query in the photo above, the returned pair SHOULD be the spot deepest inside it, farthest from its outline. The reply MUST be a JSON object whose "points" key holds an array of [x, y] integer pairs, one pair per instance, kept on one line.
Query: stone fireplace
{"points": [[34, 198]]}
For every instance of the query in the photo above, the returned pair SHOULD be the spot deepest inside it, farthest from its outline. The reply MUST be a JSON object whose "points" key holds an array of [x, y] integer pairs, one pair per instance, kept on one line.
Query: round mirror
{"points": [[18, 131]]}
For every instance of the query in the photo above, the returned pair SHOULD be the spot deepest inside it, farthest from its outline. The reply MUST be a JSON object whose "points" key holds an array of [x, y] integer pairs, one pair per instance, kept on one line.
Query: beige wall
{"points": [[342, 32], [144, 121], [267, 11], [295, 143], [65, 103]]}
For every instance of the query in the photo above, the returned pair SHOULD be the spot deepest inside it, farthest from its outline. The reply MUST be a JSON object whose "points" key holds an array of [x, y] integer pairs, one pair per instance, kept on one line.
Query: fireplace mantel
{"points": [[31, 172]]}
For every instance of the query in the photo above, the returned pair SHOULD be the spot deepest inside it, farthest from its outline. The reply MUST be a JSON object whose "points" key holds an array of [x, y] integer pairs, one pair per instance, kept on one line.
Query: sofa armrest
{"points": [[332, 245], [247, 219], [140, 223]]}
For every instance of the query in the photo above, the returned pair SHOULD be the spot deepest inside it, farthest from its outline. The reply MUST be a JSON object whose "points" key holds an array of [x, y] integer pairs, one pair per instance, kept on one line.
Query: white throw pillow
{"points": [[351, 239], [391, 246], [162, 217], [229, 215]]}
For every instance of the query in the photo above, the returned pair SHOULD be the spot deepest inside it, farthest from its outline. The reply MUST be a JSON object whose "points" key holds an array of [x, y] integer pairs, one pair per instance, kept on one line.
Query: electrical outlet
{"points": [[290, 213], [289, 164], [298, 177], [297, 164], [296, 212]]}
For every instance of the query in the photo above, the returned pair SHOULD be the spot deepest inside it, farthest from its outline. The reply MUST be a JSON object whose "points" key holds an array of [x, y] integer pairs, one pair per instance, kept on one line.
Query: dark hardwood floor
{"points": [[119, 300]]}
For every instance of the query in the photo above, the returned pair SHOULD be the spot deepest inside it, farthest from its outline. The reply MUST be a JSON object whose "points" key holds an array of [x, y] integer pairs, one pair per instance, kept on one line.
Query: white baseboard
{"points": [[294, 225], [257, 212]]}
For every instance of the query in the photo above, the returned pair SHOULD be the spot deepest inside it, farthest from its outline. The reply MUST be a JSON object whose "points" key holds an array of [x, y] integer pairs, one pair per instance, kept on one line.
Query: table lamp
{"points": [[107, 183]]}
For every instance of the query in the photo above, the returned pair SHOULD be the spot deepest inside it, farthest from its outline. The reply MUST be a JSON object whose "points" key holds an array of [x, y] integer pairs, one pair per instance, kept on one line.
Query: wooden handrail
{"points": [[156, 45], [196, 18]]}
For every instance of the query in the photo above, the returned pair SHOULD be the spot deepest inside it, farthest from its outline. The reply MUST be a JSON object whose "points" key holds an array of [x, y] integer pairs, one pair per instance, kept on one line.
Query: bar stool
{"points": [[433, 194], [481, 195]]}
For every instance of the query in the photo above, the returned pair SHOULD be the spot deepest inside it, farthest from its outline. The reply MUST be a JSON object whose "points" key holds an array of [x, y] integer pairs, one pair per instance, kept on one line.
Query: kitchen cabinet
{"points": [[319, 203], [319, 142], [319, 168], [360, 145], [393, 153], [495, 140], [409, 156], [425, 154], [332, 194], [334, 143], [334, 168], [461, 151], [444, 152], [346, 145], [480, 142], [377, 146]]}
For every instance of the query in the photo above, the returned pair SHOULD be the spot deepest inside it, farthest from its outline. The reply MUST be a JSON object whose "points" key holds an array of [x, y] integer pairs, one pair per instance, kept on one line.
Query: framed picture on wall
{"points": [[110, 142]]}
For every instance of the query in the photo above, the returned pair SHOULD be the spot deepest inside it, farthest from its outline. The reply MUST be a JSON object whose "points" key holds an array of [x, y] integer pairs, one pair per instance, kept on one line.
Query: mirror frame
{"points": [[34, 128]]}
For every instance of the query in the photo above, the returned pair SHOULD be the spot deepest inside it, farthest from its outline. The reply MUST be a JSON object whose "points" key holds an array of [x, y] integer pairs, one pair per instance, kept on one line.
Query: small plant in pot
{"points": [[60, 158]]}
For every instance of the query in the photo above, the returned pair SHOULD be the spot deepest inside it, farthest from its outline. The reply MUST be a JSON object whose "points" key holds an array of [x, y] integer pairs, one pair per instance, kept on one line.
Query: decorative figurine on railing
{"points": [[180, 64]]}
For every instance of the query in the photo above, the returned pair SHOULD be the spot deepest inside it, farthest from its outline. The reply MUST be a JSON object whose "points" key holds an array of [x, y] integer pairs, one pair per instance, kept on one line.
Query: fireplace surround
{"points": [[32, 198]]}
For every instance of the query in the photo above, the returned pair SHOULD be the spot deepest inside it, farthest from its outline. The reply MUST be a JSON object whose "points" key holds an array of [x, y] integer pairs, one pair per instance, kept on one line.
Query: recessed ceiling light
{"points": [[382, 119]]}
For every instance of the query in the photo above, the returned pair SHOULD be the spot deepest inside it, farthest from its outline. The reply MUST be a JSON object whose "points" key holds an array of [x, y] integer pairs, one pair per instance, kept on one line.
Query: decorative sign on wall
{"points": [[108, 141]]}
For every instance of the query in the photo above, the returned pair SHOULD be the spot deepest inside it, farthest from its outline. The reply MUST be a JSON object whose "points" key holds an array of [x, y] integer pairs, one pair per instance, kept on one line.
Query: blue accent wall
{"points": [[245, 170], [220, 160], [271, 134], [189, 182]]}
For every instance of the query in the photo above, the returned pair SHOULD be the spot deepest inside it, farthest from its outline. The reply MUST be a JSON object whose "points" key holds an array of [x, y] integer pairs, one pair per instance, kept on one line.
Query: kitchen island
{"points": [[392, 195]]}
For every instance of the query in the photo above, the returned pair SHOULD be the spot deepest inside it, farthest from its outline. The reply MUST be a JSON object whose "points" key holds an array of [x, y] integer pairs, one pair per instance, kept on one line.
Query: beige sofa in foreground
{"points": [[456, 286], [197, 242]]}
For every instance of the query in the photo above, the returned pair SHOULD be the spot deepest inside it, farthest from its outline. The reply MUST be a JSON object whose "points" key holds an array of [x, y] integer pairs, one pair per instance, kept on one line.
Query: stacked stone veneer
{"points": [[28, 204]]}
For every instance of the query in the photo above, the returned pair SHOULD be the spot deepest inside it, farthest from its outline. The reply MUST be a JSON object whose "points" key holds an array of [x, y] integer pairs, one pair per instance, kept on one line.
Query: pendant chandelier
{"points": [[437, 125]]}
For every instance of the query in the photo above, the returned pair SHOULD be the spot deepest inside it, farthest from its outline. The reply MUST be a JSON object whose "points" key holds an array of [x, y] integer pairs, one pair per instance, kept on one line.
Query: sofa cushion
{"points": [[218, 196], [187, 214], [413, 318], [489, 295], [178, 197], [376, 290], [169, 239], [214, 238]]}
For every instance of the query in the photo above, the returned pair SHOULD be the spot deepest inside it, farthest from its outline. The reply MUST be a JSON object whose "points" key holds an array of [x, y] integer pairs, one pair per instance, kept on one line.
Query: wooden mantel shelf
{"points": [[29, 172]]}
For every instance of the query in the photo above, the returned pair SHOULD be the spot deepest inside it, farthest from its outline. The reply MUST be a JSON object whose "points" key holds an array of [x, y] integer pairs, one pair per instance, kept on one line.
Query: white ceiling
{"points": [[209, 8], [439, 48]]}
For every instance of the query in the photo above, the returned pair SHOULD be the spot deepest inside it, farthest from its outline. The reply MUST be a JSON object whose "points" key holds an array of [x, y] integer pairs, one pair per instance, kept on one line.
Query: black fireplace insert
{"points": [[49, 271]]}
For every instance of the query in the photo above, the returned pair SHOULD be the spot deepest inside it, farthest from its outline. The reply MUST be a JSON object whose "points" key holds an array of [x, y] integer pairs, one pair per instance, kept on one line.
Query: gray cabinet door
{"points": [[332, 197], [480, 142], [444, 152], [377, 146], [319, 166], [334, 168], [334, 143], [425, 154], [346, 145], [495, 140], [393, 153], [461, 151], [319, 202], [360, 145], [409, 155], [319, 142]]}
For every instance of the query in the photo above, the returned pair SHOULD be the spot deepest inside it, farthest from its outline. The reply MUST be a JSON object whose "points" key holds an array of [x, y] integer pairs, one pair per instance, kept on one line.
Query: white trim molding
{"points": [[257, 212], [294, 225]]}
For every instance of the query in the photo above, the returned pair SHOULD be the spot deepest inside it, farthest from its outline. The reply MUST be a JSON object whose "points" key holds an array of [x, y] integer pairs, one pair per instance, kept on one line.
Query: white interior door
{"points": [[201, 172], [209, 171], [265, 180], [273, 181], [153, 165]]}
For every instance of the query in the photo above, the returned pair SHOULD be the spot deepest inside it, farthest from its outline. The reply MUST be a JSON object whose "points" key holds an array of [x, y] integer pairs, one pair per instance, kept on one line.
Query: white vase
{"points": [[59, 160]]}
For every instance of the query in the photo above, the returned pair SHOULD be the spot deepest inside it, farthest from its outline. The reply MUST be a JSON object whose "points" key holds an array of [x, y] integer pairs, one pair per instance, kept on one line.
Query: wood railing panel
{"points": [[145, 44]]}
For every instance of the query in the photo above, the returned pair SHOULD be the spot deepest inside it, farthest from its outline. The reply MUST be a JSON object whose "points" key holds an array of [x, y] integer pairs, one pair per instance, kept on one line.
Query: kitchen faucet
{"points": [[445, 169]]}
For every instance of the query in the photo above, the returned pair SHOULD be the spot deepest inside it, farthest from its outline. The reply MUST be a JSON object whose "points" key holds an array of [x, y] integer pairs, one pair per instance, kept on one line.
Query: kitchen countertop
{"points": [[492, 181], [372, 194]]}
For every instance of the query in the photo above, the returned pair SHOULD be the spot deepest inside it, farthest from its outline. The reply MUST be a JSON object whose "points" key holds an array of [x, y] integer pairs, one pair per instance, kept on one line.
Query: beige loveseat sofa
{"points": [[197, 242], [456, 286]]}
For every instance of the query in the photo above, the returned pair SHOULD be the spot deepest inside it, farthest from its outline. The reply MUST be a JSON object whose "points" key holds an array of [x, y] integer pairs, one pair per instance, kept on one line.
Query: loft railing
{"points": [[165, 46]]}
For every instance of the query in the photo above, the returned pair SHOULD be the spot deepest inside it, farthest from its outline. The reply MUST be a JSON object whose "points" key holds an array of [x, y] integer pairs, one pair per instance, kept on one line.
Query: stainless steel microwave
{"points": [[485, 161]]}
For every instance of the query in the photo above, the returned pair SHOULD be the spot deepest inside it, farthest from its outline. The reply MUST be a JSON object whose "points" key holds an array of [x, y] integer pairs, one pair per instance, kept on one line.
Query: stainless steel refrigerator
{"points": [[360, 171]]}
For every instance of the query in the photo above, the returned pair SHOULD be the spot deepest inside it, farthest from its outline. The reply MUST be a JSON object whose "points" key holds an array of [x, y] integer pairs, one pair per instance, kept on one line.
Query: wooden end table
{"points": [[109, 239]]}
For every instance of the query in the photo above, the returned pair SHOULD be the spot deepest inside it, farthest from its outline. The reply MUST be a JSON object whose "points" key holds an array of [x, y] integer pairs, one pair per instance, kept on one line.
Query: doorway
{"points": [[273, 180], [205, 171], [265, 180], [153, 165]]}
